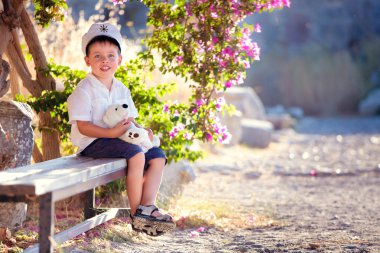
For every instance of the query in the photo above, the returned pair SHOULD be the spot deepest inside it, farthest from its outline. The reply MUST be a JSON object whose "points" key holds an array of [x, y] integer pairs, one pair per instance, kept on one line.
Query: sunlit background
{"points": [[322, 56]]}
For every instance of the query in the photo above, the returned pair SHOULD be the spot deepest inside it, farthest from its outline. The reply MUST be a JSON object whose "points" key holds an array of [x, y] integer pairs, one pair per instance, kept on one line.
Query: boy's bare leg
{"points": [[134, 180], [152, 181]]}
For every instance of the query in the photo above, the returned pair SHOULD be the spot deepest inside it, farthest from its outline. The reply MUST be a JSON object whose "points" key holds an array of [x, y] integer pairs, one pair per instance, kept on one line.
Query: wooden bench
{"points": [[59, 179]]}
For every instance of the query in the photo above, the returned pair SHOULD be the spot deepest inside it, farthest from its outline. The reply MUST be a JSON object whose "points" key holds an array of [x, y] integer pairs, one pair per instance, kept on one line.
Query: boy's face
{"points": [[104, 59]]}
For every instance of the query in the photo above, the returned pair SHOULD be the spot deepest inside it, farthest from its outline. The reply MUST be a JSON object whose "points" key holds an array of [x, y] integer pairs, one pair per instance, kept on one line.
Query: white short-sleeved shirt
{"points": [[90, 100]]}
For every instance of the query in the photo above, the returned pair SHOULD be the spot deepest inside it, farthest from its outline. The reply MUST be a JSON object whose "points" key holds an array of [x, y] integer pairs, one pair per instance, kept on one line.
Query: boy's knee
{"points": [[138, 156], [158, 161]]}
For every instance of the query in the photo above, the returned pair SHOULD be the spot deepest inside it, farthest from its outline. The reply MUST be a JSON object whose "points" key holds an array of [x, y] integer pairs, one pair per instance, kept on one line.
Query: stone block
{"points": [[15, 119], [246, 101], [233, 123], [280, 121], [176, 176], [256, 133]]}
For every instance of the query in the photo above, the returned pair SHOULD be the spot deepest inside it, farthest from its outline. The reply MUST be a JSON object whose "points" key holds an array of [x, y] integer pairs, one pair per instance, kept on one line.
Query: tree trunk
{"points": [[50, 137]]}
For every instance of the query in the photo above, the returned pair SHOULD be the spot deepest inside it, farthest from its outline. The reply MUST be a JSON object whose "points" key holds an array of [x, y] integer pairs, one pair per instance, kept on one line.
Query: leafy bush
{"points": [[199, 40]]}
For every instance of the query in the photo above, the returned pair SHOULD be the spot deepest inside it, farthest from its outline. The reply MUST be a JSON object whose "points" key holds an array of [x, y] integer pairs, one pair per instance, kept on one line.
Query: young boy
{"points": [[87, 105]]}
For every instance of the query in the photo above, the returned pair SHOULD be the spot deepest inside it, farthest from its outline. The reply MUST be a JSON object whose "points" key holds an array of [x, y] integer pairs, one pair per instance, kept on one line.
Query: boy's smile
{"points": [[104, 59]]}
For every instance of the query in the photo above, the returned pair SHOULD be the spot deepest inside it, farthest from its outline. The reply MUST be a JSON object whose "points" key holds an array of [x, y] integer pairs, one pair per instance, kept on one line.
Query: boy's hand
{"points": [[121, 128], [150, 133]]}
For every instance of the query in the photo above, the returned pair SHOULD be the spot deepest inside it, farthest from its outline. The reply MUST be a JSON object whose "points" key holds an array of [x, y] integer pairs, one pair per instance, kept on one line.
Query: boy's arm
{"points": [[91, 130]]}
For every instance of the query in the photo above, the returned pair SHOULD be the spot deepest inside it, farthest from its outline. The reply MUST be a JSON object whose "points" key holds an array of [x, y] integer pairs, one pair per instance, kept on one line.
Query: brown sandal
{"points": [[144, 220]]}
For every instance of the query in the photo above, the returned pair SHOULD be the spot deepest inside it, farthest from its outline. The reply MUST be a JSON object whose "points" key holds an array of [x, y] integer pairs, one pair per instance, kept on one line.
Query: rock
{"points": [[246, 101], [15, 118], [280, 121], [371, 104], [8, 150], [281, 117], [256, 133], [176, 175], [233, 124], [296, 112], [12, 215]]}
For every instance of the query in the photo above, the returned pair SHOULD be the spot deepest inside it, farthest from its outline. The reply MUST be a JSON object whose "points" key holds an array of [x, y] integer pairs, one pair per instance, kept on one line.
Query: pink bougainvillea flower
{"points": [[179, 59], [200, 102], [116, 2], [219, 104], [258, 28], [201, 229], [187, 136], [251, 219], [228, 84], [246, 64], [165, 108], [208, 137]]}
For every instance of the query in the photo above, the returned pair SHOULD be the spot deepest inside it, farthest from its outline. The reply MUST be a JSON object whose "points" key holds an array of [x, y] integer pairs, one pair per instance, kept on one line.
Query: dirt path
{"points": [[320, 186]]}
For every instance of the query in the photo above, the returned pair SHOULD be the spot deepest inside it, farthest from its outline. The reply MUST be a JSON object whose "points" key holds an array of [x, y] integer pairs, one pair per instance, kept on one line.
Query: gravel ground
{"points": [[320, 183]]}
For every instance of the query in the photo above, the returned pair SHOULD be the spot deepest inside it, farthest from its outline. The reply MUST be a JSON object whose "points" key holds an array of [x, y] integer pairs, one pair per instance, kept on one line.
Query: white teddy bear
{"points": [[135, 135]]}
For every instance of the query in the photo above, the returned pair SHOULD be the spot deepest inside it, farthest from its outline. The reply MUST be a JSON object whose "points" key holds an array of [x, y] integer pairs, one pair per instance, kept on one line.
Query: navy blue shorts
{"points": [[117, 148]]}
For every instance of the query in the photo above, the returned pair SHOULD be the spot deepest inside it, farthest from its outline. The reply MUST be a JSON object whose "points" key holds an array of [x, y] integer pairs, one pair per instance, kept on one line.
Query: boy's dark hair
{"points": [[103, 38]]}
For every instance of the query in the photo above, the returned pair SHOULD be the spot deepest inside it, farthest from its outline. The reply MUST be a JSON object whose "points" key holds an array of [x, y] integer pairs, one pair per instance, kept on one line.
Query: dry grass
{"points": [[195, 213]]}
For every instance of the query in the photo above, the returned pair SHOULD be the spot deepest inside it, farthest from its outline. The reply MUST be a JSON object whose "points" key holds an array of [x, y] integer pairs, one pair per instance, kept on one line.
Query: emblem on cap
{"points": [[103, 28]]}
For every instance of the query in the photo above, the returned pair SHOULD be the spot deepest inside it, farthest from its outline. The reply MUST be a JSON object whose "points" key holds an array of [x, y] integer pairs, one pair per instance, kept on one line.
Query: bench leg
{"points": [[46, 223], [89, 204]]}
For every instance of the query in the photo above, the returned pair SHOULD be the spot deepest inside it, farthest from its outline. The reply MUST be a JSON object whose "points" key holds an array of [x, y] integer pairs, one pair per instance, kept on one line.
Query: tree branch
{"points": [[46, 82], [24, 74]]}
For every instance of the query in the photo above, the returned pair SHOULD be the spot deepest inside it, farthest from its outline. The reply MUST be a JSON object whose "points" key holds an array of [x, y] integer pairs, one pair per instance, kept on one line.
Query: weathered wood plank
{"points": [[20, 172], [84, 186], [56, 179]]}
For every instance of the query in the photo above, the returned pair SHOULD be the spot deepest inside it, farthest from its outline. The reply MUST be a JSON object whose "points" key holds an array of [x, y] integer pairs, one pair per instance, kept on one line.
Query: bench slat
{"points": [[12, 174], [54, 179], [84, 186]]}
